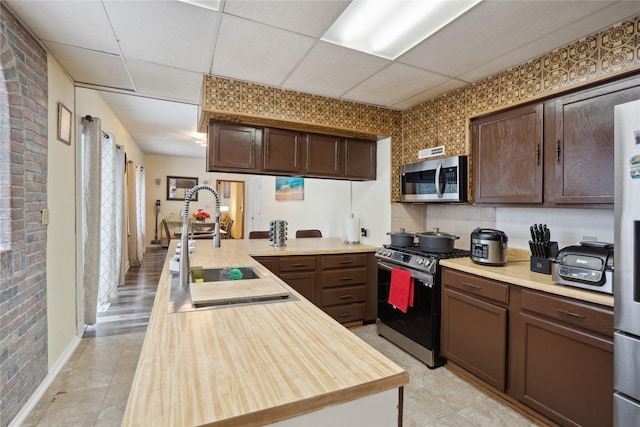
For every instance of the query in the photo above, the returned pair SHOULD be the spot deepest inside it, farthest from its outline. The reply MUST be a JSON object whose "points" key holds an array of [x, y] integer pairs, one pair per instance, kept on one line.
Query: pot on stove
{"points": [[436, 241], [488, 246], [402, 239]]}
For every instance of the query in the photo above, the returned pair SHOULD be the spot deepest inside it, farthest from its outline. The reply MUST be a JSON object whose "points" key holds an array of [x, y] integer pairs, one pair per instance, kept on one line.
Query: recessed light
{"points": [[388, 28]]}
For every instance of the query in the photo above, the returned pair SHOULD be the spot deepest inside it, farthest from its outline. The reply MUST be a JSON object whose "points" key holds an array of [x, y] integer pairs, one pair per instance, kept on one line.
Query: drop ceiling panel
{"points": [[158, 125], [331, 70], [166, 82], [395, 83], [168, 33], [430, 93], [258, 53], [494, 29], [75, 23], [90, 67], [311, 18]]}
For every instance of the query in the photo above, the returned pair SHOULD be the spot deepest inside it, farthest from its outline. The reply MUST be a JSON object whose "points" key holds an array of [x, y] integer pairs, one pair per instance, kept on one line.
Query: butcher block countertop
{"points": [[250, 364], [307, 246], [517, 272]]}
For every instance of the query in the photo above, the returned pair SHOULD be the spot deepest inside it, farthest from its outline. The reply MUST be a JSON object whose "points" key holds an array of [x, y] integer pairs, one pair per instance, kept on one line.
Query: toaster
{"points": [[588, 265]]}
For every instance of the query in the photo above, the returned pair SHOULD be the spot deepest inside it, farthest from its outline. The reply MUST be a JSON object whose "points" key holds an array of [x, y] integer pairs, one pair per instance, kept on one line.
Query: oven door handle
{"points": [[426, 278]]}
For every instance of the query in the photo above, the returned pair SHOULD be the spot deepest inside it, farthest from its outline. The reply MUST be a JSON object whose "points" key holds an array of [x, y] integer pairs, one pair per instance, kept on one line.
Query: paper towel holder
{"points": [[352, 230]]}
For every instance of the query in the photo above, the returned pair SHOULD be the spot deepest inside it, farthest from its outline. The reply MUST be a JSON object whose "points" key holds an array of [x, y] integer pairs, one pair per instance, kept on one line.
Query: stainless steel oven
{"points": [[418, 330]]}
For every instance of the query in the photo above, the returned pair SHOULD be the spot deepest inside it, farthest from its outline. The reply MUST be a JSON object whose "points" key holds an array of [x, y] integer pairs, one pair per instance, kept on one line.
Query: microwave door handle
{"points": [[438, 191]]}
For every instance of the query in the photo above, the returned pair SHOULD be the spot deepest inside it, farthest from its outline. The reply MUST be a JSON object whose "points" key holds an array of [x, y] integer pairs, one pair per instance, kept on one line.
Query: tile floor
{"points": [[93, 387]]}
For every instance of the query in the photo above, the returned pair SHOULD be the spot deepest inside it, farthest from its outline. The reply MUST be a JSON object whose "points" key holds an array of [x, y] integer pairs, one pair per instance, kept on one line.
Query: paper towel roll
{"points": [[352, 230]]}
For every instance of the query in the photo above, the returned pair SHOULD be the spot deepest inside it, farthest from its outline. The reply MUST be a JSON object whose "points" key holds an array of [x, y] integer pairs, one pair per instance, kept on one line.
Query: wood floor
{"points": [[129, 312]]}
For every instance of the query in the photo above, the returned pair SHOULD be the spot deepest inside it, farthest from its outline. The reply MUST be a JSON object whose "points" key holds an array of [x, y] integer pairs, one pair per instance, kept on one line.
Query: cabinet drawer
{"points": [[341, 261], [345, 276], [297, 263], [346, 313], [595, 319], [475, 285], [343, 295]]}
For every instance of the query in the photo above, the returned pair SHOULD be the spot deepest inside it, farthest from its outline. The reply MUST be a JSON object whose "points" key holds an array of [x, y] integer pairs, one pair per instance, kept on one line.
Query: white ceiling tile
{"points": [[166, 82], [160, 127], [430, 93], [331, 70], [96, 68], [258, 53], [393, 84], [75, 23], [168, 33], [312, 18]]}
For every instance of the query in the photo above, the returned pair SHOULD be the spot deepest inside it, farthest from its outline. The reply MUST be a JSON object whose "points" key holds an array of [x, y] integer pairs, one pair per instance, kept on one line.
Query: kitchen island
{"points": [[283, 362]]}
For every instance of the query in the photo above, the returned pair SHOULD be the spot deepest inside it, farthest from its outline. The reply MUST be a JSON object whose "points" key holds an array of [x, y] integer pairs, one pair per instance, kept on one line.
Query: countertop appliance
{"points": [[489, 246], [588, 265], [626, 277], [418, 330], [438, 180]]}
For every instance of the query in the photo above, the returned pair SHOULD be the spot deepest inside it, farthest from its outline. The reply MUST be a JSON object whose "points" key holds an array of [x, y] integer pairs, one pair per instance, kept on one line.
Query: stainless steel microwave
{"points": [[437, 180]]}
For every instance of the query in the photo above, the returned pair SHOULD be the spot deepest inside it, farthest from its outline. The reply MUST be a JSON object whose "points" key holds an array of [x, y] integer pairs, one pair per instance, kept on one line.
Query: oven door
{"points": [[421, 323]]}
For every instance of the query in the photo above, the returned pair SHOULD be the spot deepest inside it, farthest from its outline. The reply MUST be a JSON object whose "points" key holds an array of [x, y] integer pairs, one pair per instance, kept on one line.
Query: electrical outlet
{"points": [[363, 232], [45, 216]]}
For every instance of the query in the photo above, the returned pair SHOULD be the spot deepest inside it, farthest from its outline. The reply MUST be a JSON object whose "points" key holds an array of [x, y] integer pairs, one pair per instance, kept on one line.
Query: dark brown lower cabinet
{"points": [[566, 367], [342, 285], [551, 354]]}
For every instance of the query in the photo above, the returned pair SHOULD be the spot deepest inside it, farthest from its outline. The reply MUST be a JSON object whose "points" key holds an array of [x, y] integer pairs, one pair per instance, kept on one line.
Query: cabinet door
{"points": [[281, 151], [304, 282], [565, 374], [323, 155], [583, 149], [507, 156], [271, 263], [474, 336], [360, 159], [232, 147]]}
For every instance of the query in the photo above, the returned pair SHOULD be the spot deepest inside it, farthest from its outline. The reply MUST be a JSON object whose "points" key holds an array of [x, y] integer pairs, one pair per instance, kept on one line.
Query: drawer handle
{"points": [[345, 296], [344, 315], [346, 278], [570, 314], [346, 262], [471, 285], [300, 264]]}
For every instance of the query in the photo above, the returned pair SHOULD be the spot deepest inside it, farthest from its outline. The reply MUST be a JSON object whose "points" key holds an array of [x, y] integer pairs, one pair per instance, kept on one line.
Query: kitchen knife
{"points": [[533, 235]]}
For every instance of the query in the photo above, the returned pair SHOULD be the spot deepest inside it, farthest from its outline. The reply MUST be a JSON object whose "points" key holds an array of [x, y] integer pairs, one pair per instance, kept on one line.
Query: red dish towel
{"points": [[401, 289]]}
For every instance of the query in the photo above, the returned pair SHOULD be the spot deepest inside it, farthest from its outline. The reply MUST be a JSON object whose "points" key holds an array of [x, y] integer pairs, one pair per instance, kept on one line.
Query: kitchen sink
{"points": [[245, 280], [220, 274]]}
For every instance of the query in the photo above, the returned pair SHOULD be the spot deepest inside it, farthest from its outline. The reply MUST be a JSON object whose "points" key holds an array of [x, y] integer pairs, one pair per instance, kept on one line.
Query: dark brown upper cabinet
{"points": [[282, 151], [234, 148], [323, 155], [507, 156], [360, 159]]}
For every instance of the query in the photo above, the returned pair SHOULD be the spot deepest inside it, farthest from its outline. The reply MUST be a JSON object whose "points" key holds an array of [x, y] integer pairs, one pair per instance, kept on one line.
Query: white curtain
{"points": [[91, 214], [111, 249], [136, 193]]}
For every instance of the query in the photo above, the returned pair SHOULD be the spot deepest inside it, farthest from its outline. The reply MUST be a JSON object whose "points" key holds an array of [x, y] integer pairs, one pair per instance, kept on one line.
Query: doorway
{"points": [[231, 195]]}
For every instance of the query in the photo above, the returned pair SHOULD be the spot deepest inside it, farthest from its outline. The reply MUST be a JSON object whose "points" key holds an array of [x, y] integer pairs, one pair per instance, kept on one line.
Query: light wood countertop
{"points": [[517, 272], [307, 246], [250, 364]]}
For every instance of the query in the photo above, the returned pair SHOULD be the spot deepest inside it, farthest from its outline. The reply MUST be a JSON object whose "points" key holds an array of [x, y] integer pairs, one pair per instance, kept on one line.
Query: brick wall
{"points": [[23, 194]]}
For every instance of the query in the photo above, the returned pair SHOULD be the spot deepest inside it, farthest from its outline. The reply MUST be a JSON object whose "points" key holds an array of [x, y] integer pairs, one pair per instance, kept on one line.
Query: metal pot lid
{"points": [[401, 233], [437, 233], [489, 234]]}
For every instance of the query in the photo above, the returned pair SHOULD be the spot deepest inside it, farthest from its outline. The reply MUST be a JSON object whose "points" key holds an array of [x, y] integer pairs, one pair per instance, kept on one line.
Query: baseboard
{"points": [[44, 385]]}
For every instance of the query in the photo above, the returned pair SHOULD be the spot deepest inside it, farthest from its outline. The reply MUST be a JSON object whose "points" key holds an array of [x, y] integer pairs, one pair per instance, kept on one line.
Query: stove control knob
{"points": [[420, 261]]}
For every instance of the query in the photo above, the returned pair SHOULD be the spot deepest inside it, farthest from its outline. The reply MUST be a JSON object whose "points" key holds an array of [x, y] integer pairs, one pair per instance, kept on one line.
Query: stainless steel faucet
{"points": [[184, 238]]}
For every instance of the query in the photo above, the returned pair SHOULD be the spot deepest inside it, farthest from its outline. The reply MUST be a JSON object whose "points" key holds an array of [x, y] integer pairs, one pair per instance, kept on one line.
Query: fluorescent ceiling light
{"points": [[207, 4], [389, 28]]}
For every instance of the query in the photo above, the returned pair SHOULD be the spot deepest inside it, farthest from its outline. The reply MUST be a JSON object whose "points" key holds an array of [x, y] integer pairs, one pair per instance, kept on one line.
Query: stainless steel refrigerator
{"points": [[626, 282]]}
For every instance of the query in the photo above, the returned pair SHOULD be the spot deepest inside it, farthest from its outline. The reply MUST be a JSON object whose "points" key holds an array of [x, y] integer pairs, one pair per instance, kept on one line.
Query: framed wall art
{"points": [[177, 187], [64, 124]]}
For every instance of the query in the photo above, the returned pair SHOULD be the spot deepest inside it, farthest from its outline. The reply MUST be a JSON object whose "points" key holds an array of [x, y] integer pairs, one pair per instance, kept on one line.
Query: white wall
{"points": [[61, 235], [326, 205]]}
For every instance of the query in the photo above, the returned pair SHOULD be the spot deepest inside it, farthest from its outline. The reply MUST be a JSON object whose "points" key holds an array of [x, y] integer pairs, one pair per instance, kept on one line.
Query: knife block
{"points": [[543, 264]]}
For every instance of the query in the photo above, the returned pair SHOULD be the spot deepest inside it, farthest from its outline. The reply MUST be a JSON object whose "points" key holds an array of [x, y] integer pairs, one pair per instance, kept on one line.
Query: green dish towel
{"points": [[235, 274]]}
